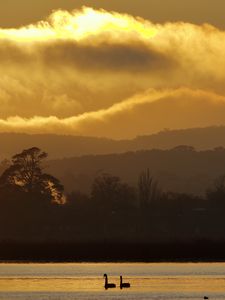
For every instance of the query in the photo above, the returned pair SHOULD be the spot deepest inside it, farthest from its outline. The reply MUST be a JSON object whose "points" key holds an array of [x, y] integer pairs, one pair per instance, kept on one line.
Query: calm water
{"points": [[85, 281]]}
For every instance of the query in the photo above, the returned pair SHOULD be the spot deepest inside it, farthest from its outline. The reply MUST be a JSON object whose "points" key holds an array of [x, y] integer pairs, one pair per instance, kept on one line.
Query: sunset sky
{"points": [[111, 68]]}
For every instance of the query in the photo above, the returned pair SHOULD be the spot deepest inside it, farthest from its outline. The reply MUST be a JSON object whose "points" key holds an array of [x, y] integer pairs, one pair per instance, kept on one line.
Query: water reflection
{"points": [[157, 284], [80, 281]]}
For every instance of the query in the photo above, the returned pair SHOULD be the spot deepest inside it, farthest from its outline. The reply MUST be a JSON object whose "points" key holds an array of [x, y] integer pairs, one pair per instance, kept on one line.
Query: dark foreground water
{"points": [[85, 281]]}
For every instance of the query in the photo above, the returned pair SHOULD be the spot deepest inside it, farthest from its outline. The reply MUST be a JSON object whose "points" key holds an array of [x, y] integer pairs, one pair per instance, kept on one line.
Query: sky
{"points": [[116, 69]]}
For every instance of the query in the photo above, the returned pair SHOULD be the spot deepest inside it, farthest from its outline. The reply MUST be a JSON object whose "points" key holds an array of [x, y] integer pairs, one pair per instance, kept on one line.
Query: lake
{"points": [[60, 281]]}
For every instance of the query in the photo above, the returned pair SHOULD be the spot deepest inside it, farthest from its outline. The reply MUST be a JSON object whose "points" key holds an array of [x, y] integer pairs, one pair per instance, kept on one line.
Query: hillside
{"points": [[61, 146], [181, 169]]}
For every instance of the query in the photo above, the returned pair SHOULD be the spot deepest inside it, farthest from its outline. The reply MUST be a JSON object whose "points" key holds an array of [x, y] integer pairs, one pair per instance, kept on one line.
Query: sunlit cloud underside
{"points": [[93, 72]]}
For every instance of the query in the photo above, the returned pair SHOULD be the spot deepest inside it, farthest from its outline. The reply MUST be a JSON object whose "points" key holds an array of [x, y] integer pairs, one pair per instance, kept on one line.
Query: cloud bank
{"points": [[93, 72]]}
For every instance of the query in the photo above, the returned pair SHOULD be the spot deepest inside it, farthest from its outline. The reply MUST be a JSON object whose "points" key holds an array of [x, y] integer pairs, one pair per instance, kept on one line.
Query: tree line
{"points": [[34, 206]]}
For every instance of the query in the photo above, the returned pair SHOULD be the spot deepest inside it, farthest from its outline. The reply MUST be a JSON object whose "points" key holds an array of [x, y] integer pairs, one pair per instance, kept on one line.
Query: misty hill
{"points": [[181, 169], [59, 146]]}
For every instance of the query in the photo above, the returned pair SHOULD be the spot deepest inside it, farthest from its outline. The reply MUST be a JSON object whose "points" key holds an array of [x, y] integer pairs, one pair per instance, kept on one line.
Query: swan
{"points": [[125, 284], [108, 285]]}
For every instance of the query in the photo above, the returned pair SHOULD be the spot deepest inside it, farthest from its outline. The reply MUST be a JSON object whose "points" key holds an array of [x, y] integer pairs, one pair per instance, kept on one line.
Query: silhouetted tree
{"points": [[184, 148], [25, 174], [148, 189], [111, 194]]}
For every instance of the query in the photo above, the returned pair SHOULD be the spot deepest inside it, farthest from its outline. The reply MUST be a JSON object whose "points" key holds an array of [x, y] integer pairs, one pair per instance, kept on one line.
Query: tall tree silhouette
{"points": [[148, 189], [25, 174]]}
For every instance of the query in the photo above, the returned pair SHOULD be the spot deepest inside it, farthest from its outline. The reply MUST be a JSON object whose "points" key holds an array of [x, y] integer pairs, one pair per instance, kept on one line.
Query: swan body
{"points": [[124, 284], [108, 285]]}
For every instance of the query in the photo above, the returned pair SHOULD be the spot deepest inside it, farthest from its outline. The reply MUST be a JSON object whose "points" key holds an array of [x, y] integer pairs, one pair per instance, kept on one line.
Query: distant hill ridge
{"points": [[181, 169], [60, 146]]}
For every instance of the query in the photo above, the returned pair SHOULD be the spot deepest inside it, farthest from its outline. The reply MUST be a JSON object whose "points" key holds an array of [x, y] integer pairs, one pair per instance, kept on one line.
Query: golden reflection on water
{"points": [[155, 284], [49, 284]]}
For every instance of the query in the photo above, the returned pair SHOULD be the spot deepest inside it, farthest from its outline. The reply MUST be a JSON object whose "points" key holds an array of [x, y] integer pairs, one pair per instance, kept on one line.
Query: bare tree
{"points": [[148, 189]]}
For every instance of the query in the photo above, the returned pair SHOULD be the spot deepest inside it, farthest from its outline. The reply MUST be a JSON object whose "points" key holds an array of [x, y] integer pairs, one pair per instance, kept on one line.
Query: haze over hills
{"points": [[60, 146], [181, 169]]}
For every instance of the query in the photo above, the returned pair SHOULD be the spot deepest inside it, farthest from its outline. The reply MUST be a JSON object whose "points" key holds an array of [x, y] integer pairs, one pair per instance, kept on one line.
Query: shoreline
{"points": [[65, 252]]}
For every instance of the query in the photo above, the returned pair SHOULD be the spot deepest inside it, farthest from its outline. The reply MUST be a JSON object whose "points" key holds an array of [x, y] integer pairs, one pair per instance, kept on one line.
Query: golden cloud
{"points": [[146, 113], [84, 71]]}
